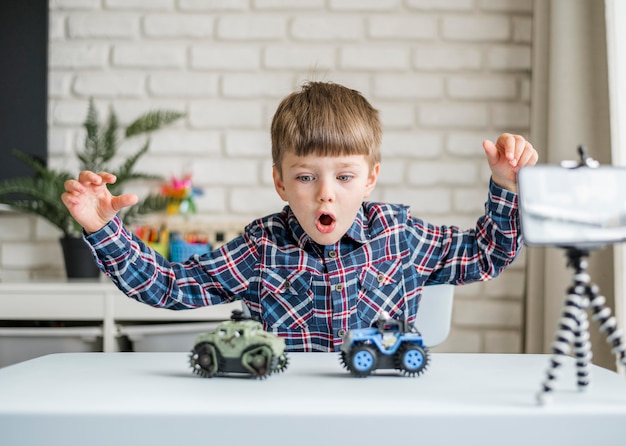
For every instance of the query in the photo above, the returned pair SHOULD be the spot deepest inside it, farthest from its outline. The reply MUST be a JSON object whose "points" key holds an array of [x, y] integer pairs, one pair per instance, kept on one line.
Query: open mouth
{"points": [[326, 220], [325, 223]]}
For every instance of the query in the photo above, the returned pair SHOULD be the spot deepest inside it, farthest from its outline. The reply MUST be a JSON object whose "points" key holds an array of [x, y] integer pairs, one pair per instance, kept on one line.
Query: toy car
{"points": [[239, 345], [388, 344]]}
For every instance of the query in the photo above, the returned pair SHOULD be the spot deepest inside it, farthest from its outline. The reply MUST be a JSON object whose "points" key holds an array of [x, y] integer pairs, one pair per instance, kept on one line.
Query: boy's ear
{"points": [[371, 180], [279, 184]]}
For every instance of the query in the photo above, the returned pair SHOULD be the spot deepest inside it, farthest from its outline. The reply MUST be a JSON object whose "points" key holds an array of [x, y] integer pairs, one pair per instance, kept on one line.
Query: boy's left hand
{"points": [[507, 156]]}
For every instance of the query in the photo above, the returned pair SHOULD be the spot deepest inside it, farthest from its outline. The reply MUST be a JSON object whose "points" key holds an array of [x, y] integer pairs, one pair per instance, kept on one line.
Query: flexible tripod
{"points": [[573, 326]]}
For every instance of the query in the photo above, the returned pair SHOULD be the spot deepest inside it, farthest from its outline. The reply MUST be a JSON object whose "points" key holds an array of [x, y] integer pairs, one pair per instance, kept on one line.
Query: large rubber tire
{"points": [[280, 363], [258, 360], [204, 360], [412, 359], [363, 360]]}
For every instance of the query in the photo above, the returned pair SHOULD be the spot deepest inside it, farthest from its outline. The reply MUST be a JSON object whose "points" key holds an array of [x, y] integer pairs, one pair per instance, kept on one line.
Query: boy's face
{"points": [[325, 193]]}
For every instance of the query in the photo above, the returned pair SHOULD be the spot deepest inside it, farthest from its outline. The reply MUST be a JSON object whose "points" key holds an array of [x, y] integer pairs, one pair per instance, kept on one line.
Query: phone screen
{"points": [[572, 207]]}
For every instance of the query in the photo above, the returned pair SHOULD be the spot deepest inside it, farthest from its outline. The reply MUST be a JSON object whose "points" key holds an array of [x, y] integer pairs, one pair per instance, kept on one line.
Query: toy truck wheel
{"points": [[412, 359], [363, 360], [204, 360], [280, 363], [258, 360]]}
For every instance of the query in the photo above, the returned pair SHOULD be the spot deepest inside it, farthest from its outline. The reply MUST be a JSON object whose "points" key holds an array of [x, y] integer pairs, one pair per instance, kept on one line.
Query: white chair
{"points": [[434, 315]]}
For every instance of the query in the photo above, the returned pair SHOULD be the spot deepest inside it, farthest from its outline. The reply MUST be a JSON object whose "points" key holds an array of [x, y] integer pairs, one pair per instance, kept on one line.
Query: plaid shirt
{"points": [[311, 294]]}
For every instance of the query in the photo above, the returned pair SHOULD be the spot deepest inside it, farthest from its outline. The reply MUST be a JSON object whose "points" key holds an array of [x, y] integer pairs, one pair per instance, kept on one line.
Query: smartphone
{"points": [[582, 207]]}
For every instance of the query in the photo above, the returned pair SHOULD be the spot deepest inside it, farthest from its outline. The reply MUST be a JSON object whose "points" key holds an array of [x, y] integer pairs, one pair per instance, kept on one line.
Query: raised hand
{"points": [[90, 202], [507, 156]]}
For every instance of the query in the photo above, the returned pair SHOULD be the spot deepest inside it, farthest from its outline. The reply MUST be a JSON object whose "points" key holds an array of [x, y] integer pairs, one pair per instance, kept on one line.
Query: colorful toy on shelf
{"points": [[238, 346], [181, 194], [388, 344], [184, 245], [155, 237]]}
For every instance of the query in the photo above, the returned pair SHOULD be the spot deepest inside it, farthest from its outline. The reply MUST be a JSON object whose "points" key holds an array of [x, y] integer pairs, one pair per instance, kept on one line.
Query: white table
{"points": [[154, 399]]}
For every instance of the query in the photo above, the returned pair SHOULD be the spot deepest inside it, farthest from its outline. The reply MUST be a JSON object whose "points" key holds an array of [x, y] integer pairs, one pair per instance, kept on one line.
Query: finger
{"points": [[123, 201], [506, 144], [68, 199], [73, 191], [107, 177], [520, 146], [529, 156], [491, 151], [88, 178], [73, 186]]}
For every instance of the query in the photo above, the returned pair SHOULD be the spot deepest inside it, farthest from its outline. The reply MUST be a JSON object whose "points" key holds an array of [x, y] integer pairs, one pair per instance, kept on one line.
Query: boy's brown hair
{"points": [[326, 119]]}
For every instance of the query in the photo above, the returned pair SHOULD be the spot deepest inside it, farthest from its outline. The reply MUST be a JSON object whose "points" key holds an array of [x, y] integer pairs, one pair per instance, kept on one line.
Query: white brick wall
{"points": [[445, 74]]}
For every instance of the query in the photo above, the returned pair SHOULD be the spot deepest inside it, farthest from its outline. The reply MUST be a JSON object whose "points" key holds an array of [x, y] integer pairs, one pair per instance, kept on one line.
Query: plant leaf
{"points": [[150, 204], [152, 120], [40, 196], [110, 139]]}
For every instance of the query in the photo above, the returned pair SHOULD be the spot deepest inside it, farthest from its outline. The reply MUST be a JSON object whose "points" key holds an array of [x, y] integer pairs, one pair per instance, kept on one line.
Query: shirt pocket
{"points": [[381, 289], [286, 298]]}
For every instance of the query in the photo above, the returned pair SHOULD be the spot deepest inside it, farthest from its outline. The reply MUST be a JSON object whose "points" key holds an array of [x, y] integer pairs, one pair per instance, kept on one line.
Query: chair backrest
{"points": [[434, 315]]}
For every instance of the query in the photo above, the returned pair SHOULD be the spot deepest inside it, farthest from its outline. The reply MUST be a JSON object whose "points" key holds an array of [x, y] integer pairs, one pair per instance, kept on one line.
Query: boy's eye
{"points": [[305, 178], [344, 177]]}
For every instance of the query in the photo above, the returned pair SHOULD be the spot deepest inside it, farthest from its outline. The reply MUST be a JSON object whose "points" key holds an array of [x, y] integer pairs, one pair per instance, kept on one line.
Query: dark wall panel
{"points": [[23, 82]]}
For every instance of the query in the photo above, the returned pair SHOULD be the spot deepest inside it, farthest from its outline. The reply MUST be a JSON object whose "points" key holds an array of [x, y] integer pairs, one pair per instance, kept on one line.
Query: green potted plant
{"points": [[40, 194]]}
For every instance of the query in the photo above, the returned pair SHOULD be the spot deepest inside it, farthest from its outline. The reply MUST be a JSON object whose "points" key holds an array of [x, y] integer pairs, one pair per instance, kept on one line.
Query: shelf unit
{"points": [[94, 301]]}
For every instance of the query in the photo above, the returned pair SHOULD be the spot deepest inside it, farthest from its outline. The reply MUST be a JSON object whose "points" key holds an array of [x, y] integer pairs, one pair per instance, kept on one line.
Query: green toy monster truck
{"points": [[239, 345]]}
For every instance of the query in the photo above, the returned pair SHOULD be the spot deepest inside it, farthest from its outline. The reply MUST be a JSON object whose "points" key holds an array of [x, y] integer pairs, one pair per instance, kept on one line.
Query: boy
{"points": [[329, 261]]}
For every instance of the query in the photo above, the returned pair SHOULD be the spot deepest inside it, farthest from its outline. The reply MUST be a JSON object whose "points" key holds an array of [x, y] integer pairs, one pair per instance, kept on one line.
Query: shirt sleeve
{"points": [[447, 254], [144, 275]]}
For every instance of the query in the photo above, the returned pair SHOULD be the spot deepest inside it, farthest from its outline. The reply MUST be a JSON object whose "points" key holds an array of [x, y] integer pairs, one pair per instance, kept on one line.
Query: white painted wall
{"points": [[445, 74]]}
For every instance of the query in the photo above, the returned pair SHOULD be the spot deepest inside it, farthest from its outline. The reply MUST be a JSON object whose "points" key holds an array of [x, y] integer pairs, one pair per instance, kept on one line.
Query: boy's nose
{"points": [[326, 193]]}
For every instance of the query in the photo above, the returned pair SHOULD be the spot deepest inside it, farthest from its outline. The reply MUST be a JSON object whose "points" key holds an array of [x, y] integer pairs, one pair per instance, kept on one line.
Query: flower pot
{"points": [[79, 262]]}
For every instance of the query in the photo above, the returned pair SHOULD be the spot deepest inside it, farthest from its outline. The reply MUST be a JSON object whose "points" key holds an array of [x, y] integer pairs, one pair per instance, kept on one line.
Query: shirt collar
{"points": [[358, 230], [296, 229]]}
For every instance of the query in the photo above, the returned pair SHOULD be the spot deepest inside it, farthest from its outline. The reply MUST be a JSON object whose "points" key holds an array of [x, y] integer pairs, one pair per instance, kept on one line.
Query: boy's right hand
{"points": [[90, 202]]}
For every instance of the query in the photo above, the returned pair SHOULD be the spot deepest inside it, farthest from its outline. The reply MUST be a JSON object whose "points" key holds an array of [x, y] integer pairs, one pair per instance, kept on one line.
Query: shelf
{"points": [[91, 300]]}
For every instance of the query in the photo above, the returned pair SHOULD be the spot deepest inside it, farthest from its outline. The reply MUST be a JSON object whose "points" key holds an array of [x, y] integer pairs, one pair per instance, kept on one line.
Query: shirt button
{"points": [[332, 254], [339, 287], [341, 333], [380, 278]]}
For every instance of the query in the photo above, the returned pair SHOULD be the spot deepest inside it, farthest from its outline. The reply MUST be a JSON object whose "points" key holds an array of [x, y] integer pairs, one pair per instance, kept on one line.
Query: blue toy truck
{"points": [[388, 344]]}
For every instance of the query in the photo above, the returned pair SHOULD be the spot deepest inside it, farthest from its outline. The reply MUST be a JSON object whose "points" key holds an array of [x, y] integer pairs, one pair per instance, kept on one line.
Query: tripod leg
{"points": [[568, 324], [582, 349], [608, 325]]}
